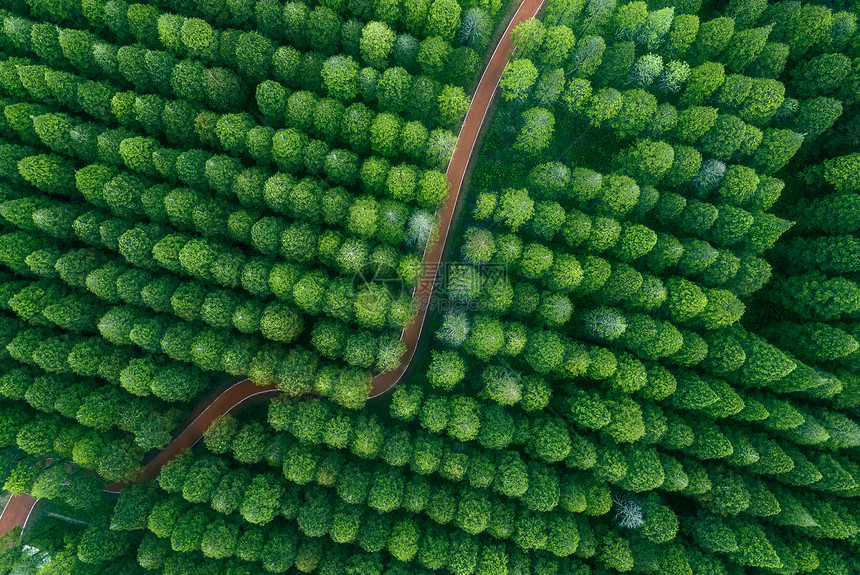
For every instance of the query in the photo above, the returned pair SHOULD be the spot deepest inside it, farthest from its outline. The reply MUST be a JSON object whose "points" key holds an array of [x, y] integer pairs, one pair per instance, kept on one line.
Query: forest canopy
{"points": [[642, 357]]}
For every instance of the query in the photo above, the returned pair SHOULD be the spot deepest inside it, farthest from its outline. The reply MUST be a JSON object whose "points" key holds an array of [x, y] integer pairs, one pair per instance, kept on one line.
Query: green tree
{"points": [[201, 480], [703, 81], [744, 47], [433, 55], [603, 106], [647, 160], [528, 36], [536, 133], [163, 517], [485, 339], [724, 138], [765, 97], [462, 553], [544, 351], [813, 295], [261, 499], [50, 173], [254, 54], [837, 172], [638, 107], [443, 19], [361, 349], [776, 149], [475, 29], [587, 57], [557, 45], [821, 75], [377, 41], [771, 61], [300, 109], [713, 37], [502, 385], [515, 208], [323, 29], [393, 88], [816, 115], [694, 122], [754, 549], [518, 79], [440, 149], [713, 534], [565, 275], [98, 545], [453, 104], [552, 441], [618, 61], [536, 261], [219, 539], [384, 134], [405, 51], [340, 77], [646, 70], [446, 370], [615, 553], [685, 299], [403, 541], [511, 475]]}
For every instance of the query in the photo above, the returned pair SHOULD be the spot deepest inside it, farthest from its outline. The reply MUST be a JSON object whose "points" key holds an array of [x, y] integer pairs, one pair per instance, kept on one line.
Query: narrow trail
{"points": [[16, 512], [456, 172], [238, 393]]}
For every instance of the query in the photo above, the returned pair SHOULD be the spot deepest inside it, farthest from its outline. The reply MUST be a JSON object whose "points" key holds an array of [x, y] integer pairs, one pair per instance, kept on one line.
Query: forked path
{"points": [[242, 392]]}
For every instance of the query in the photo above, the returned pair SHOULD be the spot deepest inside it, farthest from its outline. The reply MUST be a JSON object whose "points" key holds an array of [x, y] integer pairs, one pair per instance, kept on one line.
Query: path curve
{"points": [[238, 393], [16, 512], [456, 172]]}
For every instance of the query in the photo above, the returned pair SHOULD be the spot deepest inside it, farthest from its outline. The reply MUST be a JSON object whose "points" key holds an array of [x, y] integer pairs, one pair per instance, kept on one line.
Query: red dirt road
{"points": [[225, 400], [456, 172], [16, 512], [242, 392]]}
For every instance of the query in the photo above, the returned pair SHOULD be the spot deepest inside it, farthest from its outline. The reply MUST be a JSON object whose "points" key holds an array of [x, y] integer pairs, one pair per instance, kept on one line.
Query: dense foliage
{"points": [[213, 191], [191, 191], [646, 360]]}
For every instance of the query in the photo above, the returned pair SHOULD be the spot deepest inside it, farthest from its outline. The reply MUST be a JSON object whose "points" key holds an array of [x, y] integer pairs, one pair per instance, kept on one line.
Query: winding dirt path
{"points": [[238, 393], [456, 172], [16, 512], [228, 398]]}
